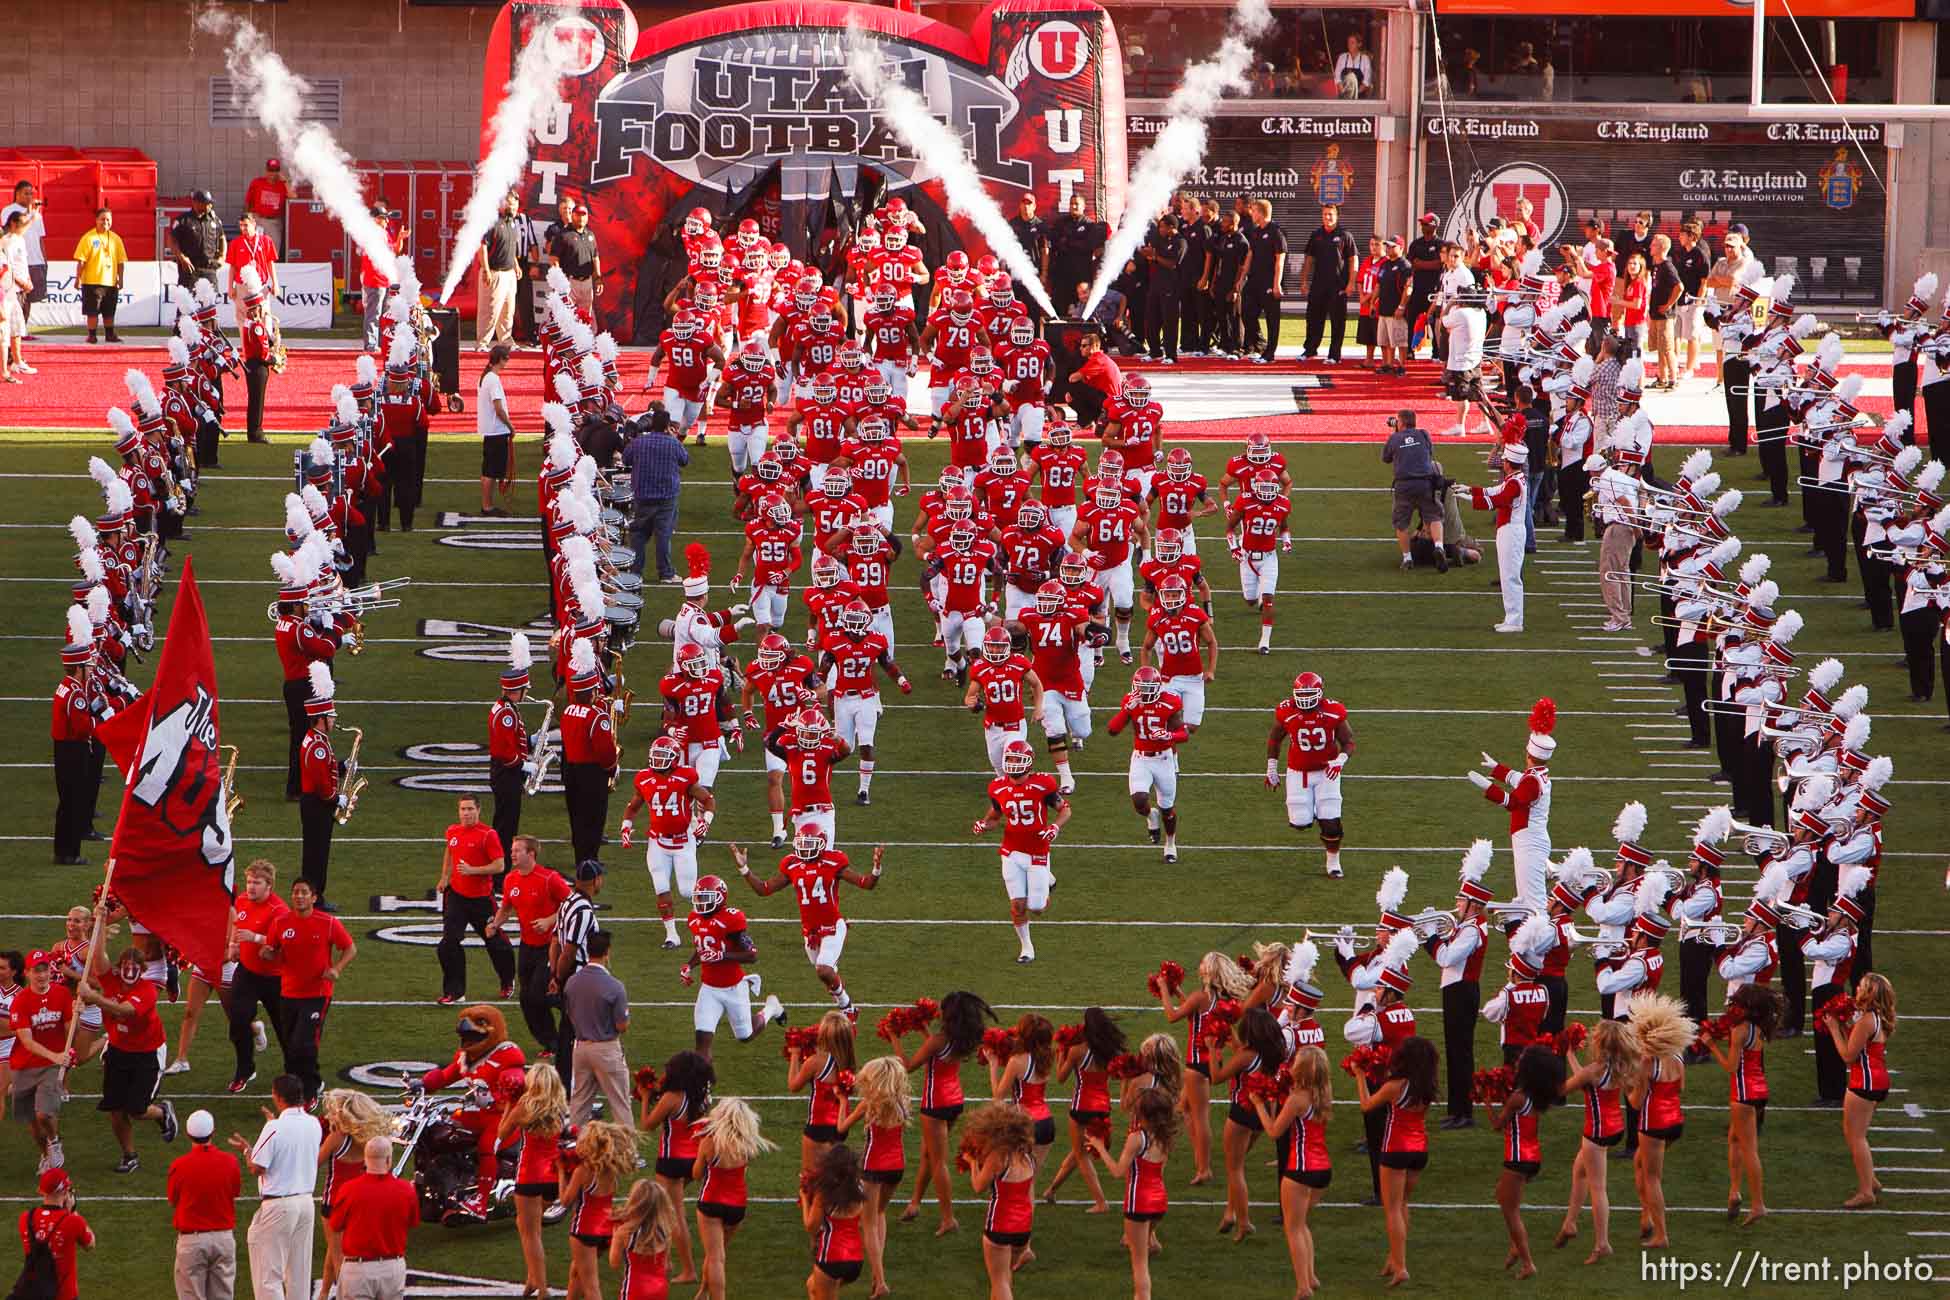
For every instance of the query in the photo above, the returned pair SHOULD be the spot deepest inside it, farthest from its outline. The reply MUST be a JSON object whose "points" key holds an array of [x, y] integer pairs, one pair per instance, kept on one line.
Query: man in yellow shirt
{"points": [[99, 261]]}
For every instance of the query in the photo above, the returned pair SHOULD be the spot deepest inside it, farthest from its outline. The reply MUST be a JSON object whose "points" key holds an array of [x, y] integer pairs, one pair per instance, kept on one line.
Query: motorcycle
{"points": [[442, 1156]]}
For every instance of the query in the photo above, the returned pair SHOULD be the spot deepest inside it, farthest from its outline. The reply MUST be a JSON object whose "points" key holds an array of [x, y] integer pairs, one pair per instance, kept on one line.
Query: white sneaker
{"points": [[1334, 866], [25, 369], [55, 1159], [1509, 627], [179, 1066], [259, 1039], [774, 1010], [1027, 955]]}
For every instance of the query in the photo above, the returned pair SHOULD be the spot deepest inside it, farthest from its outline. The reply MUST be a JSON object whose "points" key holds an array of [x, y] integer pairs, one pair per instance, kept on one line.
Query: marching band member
{"points": [[302, 639], [1507, 500], [1753, 957], [1664, 1033], [1389, 1022], [1832, 950], [1527, 794], [320, 798], [1616, 481], [680, 809], [511, 749], [1612, 1072], [1519, 1008], [1859, 843], [1797, 860], [1861, 1045], [1905, 332], [76, 712], [1873, 491], [1744, 1058], [400, 433], [698, 625], [1460, 958], [589, 751], [1363, 970], [1698, 901]]}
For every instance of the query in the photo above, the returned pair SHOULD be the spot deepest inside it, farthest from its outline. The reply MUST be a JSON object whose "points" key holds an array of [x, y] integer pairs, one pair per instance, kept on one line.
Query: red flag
{"points": [[172, 846]]}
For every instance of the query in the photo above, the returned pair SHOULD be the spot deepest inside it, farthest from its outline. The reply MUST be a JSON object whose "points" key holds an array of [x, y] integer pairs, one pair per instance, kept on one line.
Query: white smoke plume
{"points": [[524, 110], [276, 96], [941, 150], [1178, 148]]}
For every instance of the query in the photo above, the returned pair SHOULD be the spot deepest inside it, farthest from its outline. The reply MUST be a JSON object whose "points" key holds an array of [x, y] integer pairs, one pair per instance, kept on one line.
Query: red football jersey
{"points": [[1025, 372], [783, 689], [1177, 639], [1054, 640], [966, 573], [1000, 494], [813, 350], [869, 572], [666, 796], [1108, 533], [1001, 689], [872, 467], [968, 435], [1240, 470], [952, 341], [1176, 500], [1260, 523], [1151, 731], [821, 430], [1186, 566], [823, 606], [1030, 558], [1024, 807], [685, 364], [855, 661], [693, 704], [1060, 469], [852, 384], [816, 884], [889, 334], [830, 513], [713, 935], [1311, 737], [775, 551], [1137, 428], [747, 394], [810, 771]]}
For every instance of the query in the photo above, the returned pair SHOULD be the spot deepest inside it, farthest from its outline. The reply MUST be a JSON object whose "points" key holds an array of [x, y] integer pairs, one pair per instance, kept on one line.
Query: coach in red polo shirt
{"points": [[533, 893], [204, 1184], [468, 875], [372, 1215]]}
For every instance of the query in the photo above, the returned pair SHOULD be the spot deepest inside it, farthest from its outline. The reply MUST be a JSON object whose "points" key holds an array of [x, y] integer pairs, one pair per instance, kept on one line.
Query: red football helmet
{"points": [[961, 537], [1107, 494], [747, 233], [1168, 546], [884, 299], [692, 661], [1172, 594], [894, 239], [856, 618], [1178, 465], [826, 571], [769, 469], [808, 842], [1022, 331], [955, 268], [1031, 515], [684, 324], [696, 222], [851, 358], [1110, 464], [1073, 570], [995, 646], [779, 257], [1137, 391], [837, 483], [777, 511], [1018, 759], [753, 259], [710, 253], [664, 754], [772, 651], [878, 390], [708, 895], [810, 728], [1049, 598], [872, 429], [1058, 435], [1002, 289], [951, 478], [1147, 683], [1002, 461], [961, 306], [868, 240], [1266, 485], [752, 357], [986, 267], [1259, 449], [981, 361], [1308, 691], [825, 389], [960, 504]]}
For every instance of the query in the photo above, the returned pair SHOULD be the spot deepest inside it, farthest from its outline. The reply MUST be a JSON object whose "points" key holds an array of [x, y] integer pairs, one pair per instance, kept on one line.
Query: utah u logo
{"points": [[1058, 50]]}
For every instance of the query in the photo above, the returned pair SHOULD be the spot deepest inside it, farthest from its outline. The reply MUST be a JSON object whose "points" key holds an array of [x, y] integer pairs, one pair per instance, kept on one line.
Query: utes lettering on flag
{"points": [[173, 848]]}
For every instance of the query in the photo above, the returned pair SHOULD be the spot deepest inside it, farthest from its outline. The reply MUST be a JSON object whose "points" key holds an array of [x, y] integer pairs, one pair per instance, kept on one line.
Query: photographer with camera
{"points": [[1417, 482], [655, 457]]}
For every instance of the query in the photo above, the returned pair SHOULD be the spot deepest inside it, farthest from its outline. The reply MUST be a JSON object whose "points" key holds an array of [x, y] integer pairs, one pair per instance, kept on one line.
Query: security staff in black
{"points": [[1259, 304], [1164, 250], [1033, 235], [197, 237], [1075, 245], [1226, 254], [1330, 260], [1194, 316], [1424, 253]]}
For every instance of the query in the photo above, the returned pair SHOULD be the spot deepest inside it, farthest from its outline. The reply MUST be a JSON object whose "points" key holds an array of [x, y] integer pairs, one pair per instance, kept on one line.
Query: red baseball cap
{"points": [[54, 1180], [38, 957], [1428, 218], [270, 164]]}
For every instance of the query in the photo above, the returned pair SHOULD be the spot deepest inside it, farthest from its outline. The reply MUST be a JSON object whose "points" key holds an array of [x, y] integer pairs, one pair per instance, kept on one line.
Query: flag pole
{"points": [[94, 946]]}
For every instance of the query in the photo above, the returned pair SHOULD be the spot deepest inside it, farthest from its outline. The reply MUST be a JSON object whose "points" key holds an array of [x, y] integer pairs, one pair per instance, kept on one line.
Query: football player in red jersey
{"points": [[946, 341], [1108, 524], [1181, 496], [869, 556], [747, 393], [1002, 484], [964, 565], [1032, 810], [669, 791], [1024, 363], [690, 356], [1059, 465], [695, 712], [813, 872], [819, 420], [806, 747], [1004, 689], [834, 507], [1171, 558], [828, 595], [1243, 468], [1255, 525], [970, 416], [1321, 742], [851, 374], [1073, 574], [722, 947], [1134, 425], [1056, 630], [1030, 550], [767, 478], [873, 460], [773, 553], [1157, 719], [1180, 637], [786, 682], [851, 657]]}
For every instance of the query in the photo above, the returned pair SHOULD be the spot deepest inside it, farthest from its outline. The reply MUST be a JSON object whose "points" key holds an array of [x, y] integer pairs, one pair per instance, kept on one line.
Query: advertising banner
{"points": [[1809, 203], [1297, 163], [304, 302]]}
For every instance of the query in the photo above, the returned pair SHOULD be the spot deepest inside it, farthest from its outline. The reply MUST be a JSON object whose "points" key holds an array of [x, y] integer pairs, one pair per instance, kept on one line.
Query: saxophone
{"points": [[350, 779], [619, 714], [232, 801], [275, 350]]}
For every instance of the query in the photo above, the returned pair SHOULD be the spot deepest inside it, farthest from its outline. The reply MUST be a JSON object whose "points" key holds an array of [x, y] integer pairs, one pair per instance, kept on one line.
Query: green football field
{"points": [[1427, 684]]}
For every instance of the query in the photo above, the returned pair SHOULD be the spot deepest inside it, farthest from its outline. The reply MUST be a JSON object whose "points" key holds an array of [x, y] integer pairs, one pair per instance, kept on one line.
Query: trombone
{"points": [[1360, 942], [1759, 841], [1719, 933], [1433, 924], [1601, 947]]}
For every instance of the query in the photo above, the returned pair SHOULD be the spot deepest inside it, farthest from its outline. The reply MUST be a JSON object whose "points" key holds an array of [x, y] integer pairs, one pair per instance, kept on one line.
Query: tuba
{"points": [[352, 783]]}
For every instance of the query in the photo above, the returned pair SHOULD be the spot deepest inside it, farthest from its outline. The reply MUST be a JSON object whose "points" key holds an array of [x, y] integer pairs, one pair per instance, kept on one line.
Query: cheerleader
{"points": [[195, 999], [1258, 1046], [1022, 1076], [603, 1156], [1616, 1061], [998, 1147], [1664, 1032], [1088, 1063], [639, 1239], [939, 1057], [1141, 1164], [1219, 977], [1861, 1046], [1305, 1167], [538, 1117], [727, 1140], [1744, 1058], [819, 1070], [1404, 1097], [1540, 1082], [831, 1201], [885, 1101], [1163, 1068], [673, 1111], [351, 1118], [13, 975]]}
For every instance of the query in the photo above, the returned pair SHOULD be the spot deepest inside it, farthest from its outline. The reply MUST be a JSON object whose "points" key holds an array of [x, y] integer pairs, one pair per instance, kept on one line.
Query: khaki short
{"points": [[1685, 322], [1658, 335], [36, 1092], [1393, 332], [1415, 497]]}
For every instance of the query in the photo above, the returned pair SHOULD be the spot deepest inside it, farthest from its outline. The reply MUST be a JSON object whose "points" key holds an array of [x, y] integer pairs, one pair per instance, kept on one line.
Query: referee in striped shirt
{"points": [[575, 921]]}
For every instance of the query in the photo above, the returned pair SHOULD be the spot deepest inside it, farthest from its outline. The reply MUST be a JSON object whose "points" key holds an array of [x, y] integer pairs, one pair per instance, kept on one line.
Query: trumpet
{"points": [[352, 782], [1676, 880], [1797, 917], [1433, 924], [1719, 933], [1508, 913], [1360, 942], [1760, 840], [1601, 947], [541, 752], [232, 801], [1904, 555]]}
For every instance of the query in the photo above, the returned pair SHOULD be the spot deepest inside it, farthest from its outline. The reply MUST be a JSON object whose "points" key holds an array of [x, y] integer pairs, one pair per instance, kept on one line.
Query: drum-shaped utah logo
{"points": [[1058, 50]]}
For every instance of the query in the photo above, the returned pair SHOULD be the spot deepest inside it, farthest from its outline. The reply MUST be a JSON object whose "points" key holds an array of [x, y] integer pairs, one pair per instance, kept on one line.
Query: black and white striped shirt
{"points": [[575, 921]]}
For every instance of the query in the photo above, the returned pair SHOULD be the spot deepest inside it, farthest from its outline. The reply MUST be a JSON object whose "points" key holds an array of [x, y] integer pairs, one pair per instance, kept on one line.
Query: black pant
{"points": [[1559, 995], [459, 914], [1460, 1003], [317, 817], [91, 789], [207, 434], [1689, 663], [1087, 402], [295, 695], [1865, 934], [1831, 1076], [1572, 483], [1696, 962], [1259, 307], [71, 769], [1326, 310], [257, 378], [1726, 744], [505, 782], [406, 470], [565, 1046], [531, 964], [1194, 316], [1736, 373], [1794, 976], [1223, 336], [1919, 638], [585, 791], [1161, 310], [1770, 426], [525, 308], [1902, 384], [1875, 576], [247, 990], [1936, 412], [304, 1028], [1830, 510]]}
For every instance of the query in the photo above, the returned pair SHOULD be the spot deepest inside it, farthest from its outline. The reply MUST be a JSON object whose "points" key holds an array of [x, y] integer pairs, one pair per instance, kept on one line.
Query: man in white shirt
{"points": [[26, 200], [285, 1160], [497, 431]]}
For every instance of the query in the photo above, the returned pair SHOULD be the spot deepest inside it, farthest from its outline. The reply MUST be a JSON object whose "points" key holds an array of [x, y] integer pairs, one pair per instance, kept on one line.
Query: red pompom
{"points": [[1493, 1087], [1371, 1061], [1169, 975], [1125, 1065], [844, 1081], [698, 557], [1068, 1036], [908, 1020], [999, 1042], [1543, 716], [1571, 1039], [645, 1080], [1271, 1087], [1219, 1021], [1840, 1009], [803, 1040]]}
